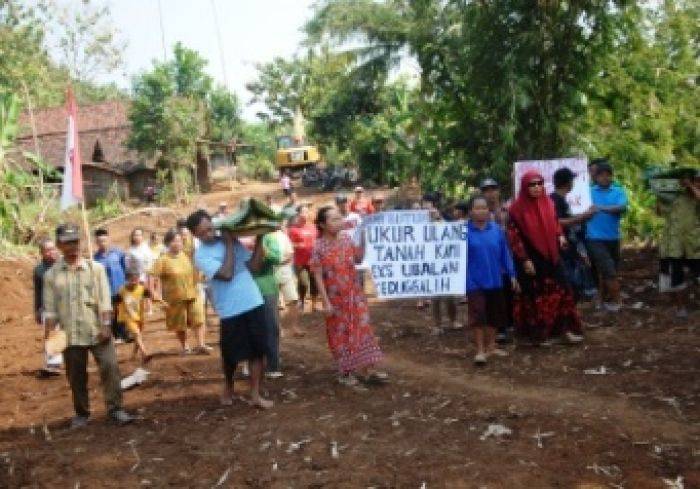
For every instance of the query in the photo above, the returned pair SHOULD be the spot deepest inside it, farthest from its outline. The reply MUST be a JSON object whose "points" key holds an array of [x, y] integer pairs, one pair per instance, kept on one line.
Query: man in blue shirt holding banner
{"points": [[603, 234]]}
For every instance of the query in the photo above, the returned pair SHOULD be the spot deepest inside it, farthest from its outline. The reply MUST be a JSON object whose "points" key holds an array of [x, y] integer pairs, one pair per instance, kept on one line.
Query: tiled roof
{"points": [[104, 115]]}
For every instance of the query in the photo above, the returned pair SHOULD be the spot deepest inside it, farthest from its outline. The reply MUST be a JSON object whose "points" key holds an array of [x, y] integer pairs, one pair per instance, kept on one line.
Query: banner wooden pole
{"points": [[86, 229]]}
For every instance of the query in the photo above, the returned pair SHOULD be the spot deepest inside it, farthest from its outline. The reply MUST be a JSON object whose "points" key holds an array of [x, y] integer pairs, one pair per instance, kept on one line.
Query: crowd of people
{"points": [[530, 261]]}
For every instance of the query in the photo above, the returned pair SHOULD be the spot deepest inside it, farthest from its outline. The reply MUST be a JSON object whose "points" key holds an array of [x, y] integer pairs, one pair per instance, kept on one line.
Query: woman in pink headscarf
{"points": [[546, 306]]}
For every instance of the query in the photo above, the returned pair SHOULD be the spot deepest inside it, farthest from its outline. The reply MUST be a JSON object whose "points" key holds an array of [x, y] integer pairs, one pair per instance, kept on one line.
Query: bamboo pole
{"points": [[35, 138], [86, 229]]}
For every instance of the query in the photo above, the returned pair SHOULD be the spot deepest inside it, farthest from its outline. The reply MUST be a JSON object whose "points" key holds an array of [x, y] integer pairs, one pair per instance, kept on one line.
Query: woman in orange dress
{"points": [[351, 339]]}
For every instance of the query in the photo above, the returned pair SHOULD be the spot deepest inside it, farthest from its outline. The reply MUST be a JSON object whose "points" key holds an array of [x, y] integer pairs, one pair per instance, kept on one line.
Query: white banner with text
{"points": [[409, 257]]}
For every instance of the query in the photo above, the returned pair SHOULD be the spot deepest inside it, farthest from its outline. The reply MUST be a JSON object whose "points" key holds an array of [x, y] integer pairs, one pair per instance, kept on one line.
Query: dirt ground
{"points": [[632, 427]]}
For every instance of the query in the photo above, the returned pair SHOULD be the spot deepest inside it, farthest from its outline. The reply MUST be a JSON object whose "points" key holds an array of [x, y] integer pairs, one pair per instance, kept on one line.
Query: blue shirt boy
{"points": [[114, 263], [605, 226], [234, 297], [488, 258]]}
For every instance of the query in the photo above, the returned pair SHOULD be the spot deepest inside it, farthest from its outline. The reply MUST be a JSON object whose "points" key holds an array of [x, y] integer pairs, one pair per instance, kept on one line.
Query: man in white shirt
{"points": [[351, 220]]}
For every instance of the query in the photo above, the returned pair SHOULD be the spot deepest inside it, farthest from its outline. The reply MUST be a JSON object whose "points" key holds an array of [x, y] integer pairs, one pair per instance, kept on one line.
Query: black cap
{"points": [[341, 199], [67, 233], [563, 176], [487, 183], [598, 161], [604, 167]]}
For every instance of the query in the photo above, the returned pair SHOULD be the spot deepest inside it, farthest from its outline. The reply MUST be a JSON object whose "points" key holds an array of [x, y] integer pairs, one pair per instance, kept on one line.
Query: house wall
{"points": [[99, 183], [139, 180]]}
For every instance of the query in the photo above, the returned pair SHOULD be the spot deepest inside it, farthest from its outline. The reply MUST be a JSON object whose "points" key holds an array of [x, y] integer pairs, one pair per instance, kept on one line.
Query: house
{"points": [[140, 177], [103, 130]]}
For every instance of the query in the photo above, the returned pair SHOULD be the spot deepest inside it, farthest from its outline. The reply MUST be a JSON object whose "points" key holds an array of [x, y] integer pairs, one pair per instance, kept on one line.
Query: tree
{"points": [[498, 79], [88, 42], [280, 85], [225, 118], [25, 66], [174, 106]]}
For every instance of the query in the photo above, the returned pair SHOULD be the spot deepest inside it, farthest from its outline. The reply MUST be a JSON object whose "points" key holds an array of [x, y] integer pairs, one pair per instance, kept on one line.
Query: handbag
{"points": [[56, 342]]}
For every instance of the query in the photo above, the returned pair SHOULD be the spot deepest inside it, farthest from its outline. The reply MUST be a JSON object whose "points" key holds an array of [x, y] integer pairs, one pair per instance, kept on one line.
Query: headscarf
{"points": [[537, 219]]}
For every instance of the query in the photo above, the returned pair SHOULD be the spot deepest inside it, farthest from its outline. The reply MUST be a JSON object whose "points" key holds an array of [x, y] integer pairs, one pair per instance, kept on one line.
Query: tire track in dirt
{"points": [[638, 423]]}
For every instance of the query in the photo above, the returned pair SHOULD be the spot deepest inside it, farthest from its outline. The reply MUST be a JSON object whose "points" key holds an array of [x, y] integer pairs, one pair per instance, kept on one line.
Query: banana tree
{"points": [[9, 124]]}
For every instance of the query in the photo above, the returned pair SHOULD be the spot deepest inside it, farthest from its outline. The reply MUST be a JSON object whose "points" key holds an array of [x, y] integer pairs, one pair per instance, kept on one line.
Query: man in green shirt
{"points": [[679, 243], [77, 297], [266, 257]]}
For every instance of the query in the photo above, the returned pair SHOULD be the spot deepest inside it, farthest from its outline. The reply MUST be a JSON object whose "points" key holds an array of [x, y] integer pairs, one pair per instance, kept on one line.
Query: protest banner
{"points": [[416, 258], [580, 196], [390, 217]]}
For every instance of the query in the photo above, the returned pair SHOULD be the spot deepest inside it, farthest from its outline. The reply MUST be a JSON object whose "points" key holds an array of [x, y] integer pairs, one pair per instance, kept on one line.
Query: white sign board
{"points": [[416, 259], [580, 196]]}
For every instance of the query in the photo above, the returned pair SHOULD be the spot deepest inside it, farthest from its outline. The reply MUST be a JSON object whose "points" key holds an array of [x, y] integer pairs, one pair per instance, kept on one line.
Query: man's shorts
{"points": [[289, 290], [244, 337], [184, 314], [133, 327], [605, 255], [673, 276]]}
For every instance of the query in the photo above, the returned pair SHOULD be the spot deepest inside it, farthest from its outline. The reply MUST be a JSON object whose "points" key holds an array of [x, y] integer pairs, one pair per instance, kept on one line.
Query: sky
{"points": [[252, 31]]}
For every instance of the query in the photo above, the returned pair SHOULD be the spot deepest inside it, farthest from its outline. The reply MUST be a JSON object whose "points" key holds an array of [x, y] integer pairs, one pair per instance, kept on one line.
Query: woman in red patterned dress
{"points": [[546, 306], [350, 336]]}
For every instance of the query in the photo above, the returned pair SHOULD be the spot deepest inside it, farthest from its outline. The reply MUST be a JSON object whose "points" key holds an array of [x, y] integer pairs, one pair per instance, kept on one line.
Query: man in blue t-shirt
{"points": [[603, 234], [237, 300], [114, 261]]}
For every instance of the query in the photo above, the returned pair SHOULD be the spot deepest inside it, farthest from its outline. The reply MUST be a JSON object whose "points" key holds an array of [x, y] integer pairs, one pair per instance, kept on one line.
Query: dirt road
{"points": [[633, 426]]}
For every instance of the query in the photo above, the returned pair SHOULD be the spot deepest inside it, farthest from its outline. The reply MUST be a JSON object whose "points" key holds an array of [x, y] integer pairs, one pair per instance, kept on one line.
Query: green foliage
{"points": [[260, 162], [84, 35], [174, 106], [225, 117], [499, 82], [9, 115], [87, 41]]}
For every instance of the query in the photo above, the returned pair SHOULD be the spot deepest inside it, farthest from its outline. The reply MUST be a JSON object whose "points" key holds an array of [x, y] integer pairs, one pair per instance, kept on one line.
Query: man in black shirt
{"points": [[49, 255], [575, 256]]}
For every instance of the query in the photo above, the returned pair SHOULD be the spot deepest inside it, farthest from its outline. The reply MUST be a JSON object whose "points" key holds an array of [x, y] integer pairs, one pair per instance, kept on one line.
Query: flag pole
{"points": [[86, 229]]}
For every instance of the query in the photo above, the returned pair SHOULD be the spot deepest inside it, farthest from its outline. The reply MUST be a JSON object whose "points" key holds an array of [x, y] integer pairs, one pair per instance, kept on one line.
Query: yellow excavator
{"points": [[293, 153]]}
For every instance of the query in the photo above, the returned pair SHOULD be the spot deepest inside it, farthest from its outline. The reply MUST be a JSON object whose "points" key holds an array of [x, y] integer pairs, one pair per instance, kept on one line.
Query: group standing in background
{"points": [[529, 264]]}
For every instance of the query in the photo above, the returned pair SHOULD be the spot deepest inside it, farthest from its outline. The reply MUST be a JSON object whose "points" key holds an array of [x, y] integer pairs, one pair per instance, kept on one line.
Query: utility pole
{"points": [[219, 41], [162, 31]]}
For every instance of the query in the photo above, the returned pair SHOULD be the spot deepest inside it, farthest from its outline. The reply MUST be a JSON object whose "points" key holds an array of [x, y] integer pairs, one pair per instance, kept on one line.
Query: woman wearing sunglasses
{"points": [[546, 307]]}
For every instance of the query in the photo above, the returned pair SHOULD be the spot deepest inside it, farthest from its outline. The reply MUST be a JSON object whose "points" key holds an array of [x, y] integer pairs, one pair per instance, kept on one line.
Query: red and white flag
{"points": [[72, 192]]}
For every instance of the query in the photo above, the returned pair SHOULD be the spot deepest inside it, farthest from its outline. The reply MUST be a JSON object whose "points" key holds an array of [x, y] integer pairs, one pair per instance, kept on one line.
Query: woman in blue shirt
{"points": [[488, 260]]}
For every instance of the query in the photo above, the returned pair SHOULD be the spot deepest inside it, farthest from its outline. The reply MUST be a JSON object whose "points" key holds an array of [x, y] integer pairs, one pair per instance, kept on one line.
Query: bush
{"points": [[257, 168]]}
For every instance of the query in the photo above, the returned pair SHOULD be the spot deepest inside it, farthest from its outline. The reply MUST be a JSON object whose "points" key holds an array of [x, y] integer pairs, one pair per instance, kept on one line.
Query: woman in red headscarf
{"points": [[546, 306]]}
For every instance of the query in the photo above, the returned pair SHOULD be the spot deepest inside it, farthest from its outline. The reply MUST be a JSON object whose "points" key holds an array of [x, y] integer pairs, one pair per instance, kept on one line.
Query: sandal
{"points": [[375, 378], [348, 380]]}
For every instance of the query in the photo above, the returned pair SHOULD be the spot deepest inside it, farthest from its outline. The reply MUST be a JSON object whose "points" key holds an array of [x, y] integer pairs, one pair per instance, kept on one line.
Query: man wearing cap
{"points": [[77, 297], [491, 191], [603, 234], [575, 256], [360, 204], [679, 242]]}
